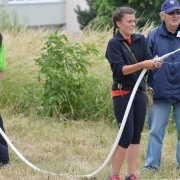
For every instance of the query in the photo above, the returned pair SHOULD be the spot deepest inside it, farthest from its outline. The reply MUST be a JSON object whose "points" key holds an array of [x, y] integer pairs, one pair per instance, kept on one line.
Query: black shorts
{"points": [[135, 121]]}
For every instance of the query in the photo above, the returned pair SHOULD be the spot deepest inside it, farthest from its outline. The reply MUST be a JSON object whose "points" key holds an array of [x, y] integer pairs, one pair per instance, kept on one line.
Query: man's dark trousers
{"points": [[4, 155]]}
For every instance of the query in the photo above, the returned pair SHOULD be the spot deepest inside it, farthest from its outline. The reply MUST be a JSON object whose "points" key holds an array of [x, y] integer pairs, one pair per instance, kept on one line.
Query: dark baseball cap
{"points": [[169, 6]]}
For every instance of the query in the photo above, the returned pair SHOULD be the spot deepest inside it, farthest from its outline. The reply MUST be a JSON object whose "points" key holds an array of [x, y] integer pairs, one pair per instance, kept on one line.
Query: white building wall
{"points": [[71, 17], [47, 12], [37, 13]]}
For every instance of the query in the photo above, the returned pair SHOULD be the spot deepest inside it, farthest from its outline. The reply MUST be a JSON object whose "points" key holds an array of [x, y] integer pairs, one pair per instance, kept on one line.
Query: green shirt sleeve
{"points": [[2, 58]]}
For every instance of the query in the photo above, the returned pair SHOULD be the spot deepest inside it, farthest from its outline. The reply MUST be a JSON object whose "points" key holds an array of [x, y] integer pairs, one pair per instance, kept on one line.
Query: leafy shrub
{"points": [[63, 65]]}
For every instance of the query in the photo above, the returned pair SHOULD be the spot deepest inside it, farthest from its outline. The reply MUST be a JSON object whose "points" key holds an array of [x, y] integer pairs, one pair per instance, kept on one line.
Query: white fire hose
{"points": [[117, 138]]}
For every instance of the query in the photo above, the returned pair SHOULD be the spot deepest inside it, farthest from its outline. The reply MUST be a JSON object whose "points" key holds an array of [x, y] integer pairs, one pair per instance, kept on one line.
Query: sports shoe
{"points": [[114, 177], [150, 168], [4, 165], [131, 177]]}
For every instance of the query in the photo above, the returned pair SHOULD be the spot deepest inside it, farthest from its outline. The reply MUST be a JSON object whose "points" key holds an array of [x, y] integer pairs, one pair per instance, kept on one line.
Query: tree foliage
{"points": [[84, 17], [147, 10]]}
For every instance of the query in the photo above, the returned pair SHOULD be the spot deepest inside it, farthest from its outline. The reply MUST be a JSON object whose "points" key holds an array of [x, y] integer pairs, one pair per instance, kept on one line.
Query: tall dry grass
{"points": [[21, 49], [66, 147]]}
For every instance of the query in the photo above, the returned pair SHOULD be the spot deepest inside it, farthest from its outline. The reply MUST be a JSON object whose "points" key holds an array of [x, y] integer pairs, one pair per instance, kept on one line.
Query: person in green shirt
{"points": [[4, 154]]}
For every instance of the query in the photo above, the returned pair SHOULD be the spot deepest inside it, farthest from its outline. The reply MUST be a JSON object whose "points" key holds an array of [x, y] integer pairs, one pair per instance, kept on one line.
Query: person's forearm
{"points": [[147, 64], [1, 76], [131, 68]]}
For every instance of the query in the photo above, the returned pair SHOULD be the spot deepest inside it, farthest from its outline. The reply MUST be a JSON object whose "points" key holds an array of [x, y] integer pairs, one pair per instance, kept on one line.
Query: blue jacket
{"points": [[166, 80], [118, 56]]}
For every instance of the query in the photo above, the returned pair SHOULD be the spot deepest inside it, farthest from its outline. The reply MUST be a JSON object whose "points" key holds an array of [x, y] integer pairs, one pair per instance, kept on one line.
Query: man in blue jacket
{"points": [[165, 82]]}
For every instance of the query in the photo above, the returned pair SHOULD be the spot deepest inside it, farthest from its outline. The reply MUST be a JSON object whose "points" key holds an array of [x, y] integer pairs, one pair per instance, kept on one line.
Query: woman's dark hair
{"points": [[118, 14], [1, 38]]}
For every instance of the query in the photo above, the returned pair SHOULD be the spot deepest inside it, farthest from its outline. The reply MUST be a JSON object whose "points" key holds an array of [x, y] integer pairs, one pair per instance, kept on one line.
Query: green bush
{"points": [[63, 65]]}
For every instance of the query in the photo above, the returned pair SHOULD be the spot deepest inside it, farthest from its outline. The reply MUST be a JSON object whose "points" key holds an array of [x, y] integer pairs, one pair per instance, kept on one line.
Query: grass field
{"points": [[73, 148]]}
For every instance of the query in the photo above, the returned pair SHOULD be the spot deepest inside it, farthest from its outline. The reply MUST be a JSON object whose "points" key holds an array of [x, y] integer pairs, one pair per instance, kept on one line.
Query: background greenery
{"points": [[69, 78], [100, 12]]}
